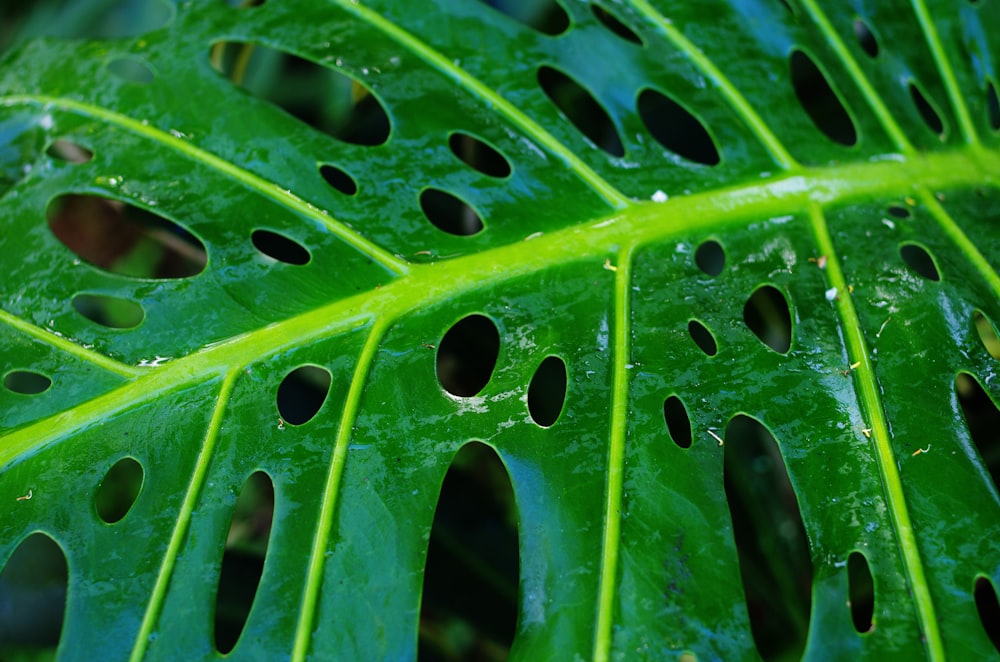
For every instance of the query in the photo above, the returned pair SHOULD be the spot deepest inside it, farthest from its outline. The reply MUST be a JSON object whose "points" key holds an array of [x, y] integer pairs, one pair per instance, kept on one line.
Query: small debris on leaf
{"points": [[715, 436], [922, 450], [609, 266], [659, 196], [831, 294]]}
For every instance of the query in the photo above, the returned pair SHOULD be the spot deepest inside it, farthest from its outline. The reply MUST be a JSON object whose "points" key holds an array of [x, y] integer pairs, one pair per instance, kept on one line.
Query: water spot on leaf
{"points": [[927, 112], [279, 247], [989, 609], [861, 592], [710, 257], [703, 337], [338, 179], [472, 570], [547, 391], [131, 70], [69, 151], [109, 311], [580, 108], [118, 490], [866, 39], [26, 382], [983, 420], [766, 313], [33, 583], [302, 393], [993, 105], [478, 155], [676, 129], [320, 96], [898, 211], [545, 16], [467, 355], [987, 333], [616, 25], [124, 239], [678, 423], [771, 541], [919, 259], [243, 559], [450, 213], [820, 102]]}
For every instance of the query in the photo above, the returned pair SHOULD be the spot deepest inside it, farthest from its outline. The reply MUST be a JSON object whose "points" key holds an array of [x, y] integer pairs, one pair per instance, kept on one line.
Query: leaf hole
{"points": [[279, 247], [710, 257], [467, 355], [989, 609], [545, 16], [118, 490], [244, 4], [866, 39], [243, 559], [766, 313], [676, 129], [927, 112], [472, 570], [615, 24], [26, 382], [69, 151], [920, 261], [547, 391], [131, 70], [703, 337], [775, 565], [993, 105], [678, 423], [338, 179], [302, 393], [109, 311], [33, 585], [898, 211], [820, 102], [861, 592], [987, 333], [450, 213], [580, 108], [983, 420], [123, 239], [478, 155]]}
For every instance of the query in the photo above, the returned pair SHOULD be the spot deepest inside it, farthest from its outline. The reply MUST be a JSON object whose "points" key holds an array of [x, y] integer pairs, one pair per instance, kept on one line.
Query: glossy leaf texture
{"points": [[594, 237]]}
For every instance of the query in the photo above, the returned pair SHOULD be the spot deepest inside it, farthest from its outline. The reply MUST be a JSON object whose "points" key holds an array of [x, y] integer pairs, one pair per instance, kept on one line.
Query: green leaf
{"points": [[715, 286]]}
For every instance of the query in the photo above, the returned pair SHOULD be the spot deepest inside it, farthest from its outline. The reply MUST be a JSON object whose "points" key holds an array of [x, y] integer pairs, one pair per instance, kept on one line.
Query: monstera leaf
{"points": [[699, 298]]}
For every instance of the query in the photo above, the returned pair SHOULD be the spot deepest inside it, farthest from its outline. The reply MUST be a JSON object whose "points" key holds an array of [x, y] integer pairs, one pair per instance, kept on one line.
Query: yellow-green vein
{"points": [[955, 233]]}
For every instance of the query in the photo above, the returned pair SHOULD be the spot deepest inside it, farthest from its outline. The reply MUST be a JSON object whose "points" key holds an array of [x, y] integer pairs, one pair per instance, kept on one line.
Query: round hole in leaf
{"points": [[338, 179], [302, 393], [478, 155], [866, 39], [993, 105], [766, 313], [109, 311], [545, 16], [674, 127], [69, 151], [989, 609], [547, 391], [710, 257], [614, 24], [26, 382], [678, 423], [279, 247], [927, 112], [33, 588], [580, 108], [861, 592], [919, 260], [118, 490], [898, 211], [467, 355], [982, 417], [703, 337], [131, 70], [987, 333], [819, 100], [450, 213]]}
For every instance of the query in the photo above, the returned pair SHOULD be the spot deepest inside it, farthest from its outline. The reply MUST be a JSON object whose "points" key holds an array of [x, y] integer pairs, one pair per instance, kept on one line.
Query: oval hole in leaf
{"points": [[26, 382], [243, 559], [547, 391], [467, 355], [245, 4], [775, 564], [919, 260], [338, 179], [472, 572], [987, 333], [820, 102], [131, 70], [478, 155], [118, 490], [926, 110], [124, 239], [613, 23], [33, 583], [866, 39], [861, 592], [988, 608], [109, 311], [766, 313], [580, 108], [703, 337], [993, 105], [302, 393], [710, 257], [983, 420], [69, 151], [450, 213], [678, 422], [322, 97], [899, 212], [279, 247], [676, 129], [545, 16]]}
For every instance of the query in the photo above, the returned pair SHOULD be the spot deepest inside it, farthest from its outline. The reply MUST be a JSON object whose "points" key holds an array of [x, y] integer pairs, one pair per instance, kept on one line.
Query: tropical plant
{"points": [[620, 329]]}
